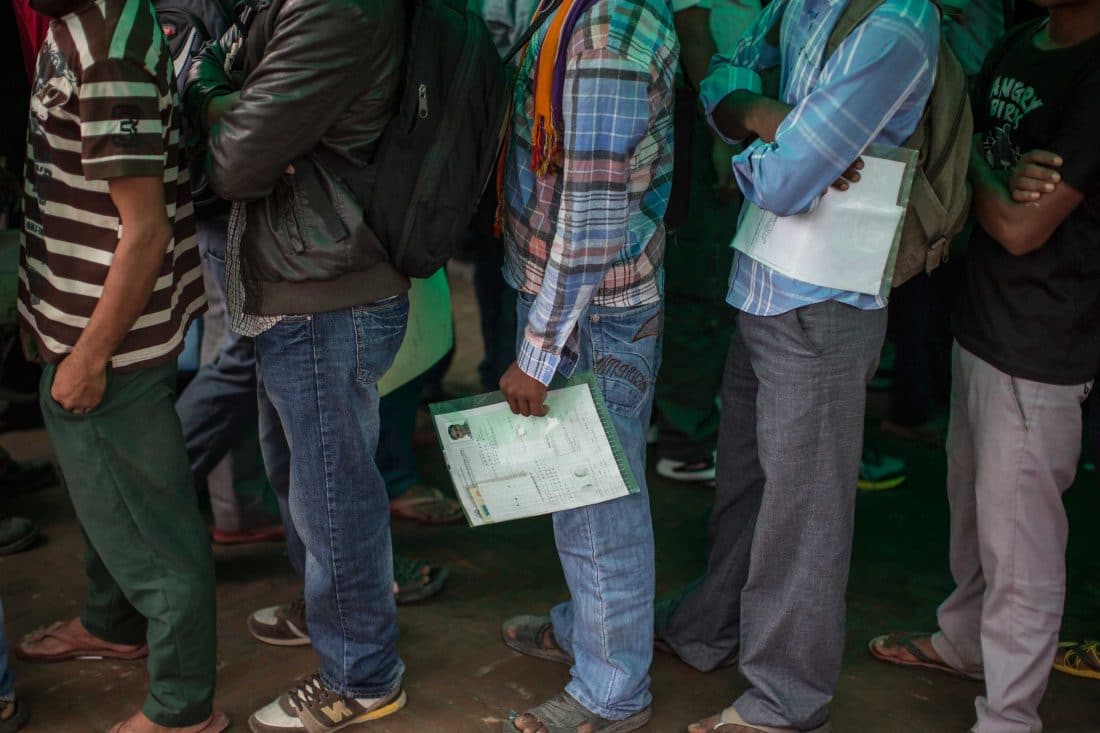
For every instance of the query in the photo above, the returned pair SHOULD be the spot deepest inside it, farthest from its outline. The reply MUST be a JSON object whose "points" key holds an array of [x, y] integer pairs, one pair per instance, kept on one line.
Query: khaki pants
{"points": [[1012, 451]]}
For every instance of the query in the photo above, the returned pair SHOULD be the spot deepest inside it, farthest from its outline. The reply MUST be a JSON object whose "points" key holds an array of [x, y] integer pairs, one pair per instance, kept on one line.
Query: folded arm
{"points": [[863, 86], [313, 67], [1019, 227]]}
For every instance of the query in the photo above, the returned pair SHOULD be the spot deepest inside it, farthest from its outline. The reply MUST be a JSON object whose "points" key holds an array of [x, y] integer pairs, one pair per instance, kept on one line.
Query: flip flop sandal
{"points": [[218, 722], [409, 576], [905, 641], [563, 714], [530, 632], [17, 720], [75, 652], [732, 722], [429, 511], [1079, 660]]}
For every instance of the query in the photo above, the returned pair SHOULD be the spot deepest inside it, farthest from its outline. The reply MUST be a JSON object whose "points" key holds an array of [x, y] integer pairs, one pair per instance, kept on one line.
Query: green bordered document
{"points": [[506, 466]]}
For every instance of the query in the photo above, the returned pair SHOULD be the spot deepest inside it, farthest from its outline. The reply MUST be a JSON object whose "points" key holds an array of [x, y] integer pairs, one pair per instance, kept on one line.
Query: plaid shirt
{"points": [[591, 230], [873, 89]]}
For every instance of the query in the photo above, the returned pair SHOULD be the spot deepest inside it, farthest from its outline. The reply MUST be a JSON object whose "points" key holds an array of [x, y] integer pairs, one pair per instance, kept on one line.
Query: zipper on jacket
{"points": [[422, 101]]}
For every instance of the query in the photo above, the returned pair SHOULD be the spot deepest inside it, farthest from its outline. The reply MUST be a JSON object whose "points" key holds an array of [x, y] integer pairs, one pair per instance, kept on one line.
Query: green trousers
{"points": [[148, 559], [698, 323]]}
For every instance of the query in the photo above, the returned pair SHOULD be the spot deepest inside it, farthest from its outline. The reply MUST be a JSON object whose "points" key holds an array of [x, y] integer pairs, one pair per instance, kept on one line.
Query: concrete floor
{"points": [[461, 678]]}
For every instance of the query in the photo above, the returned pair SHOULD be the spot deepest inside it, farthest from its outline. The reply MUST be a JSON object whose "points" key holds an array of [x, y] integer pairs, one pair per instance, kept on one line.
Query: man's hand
{"points": [[765, 117], [1035, 175], [526, 395], [79, 383], [30, 347], [217, 107], [849, 176]]}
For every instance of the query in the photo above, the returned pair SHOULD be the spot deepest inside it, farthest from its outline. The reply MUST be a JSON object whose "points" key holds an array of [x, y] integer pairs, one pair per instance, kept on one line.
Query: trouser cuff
{"points": [[128, 634], [182, 719]]}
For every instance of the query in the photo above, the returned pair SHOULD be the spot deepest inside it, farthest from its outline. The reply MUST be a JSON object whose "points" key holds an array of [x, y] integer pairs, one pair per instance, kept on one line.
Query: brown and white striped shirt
{"points": [[104, 106]]}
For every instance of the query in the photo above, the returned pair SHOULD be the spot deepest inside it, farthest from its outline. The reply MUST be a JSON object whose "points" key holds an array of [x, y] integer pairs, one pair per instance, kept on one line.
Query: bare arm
{"points": [[81, 377], [745, 114], [1019, 227], [697, 45]]}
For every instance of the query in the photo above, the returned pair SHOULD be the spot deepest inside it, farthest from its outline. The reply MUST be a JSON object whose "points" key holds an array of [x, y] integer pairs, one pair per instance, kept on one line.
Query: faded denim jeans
{"points": [[606, 550], [319, 377]]}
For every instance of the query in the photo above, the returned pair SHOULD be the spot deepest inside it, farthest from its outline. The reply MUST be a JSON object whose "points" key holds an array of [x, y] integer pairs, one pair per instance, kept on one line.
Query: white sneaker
{"points": [[695, 471]]}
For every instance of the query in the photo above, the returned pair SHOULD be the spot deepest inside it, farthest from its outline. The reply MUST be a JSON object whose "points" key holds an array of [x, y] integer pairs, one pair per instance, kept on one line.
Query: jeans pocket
{"points": [[379, 331], [625, 354]]}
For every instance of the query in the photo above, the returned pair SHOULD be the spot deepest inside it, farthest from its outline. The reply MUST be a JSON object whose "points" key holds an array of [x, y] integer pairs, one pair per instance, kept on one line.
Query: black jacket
{"points": [[318, 81]]}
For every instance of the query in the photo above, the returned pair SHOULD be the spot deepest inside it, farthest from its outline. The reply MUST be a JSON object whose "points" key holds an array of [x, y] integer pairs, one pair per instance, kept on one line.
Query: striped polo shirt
{"points": [[104, 106]]}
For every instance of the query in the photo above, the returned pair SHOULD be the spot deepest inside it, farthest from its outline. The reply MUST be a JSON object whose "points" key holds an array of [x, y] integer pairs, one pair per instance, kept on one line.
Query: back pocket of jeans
{"points": [[379, 331]]}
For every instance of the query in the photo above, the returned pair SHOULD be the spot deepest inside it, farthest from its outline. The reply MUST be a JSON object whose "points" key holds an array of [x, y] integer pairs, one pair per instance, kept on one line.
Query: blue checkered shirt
{"points": [[873, 89]]}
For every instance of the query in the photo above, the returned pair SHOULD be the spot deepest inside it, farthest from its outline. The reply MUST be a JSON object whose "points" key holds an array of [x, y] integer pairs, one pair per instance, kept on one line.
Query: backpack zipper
{"points": [[422, 101]]}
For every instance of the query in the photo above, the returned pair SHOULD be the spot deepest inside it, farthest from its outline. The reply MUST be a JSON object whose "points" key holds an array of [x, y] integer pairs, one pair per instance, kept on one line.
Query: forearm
{"points": [[130, 281], [1002, 218], [697, 46], [744, 114], [561, 301]]}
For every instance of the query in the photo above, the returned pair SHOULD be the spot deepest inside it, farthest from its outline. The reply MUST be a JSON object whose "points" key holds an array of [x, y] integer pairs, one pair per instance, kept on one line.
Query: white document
{"points": [[507, 466], [848, 242]]}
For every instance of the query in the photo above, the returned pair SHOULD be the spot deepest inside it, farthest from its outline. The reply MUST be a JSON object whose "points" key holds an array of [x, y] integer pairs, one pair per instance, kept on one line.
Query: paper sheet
{"points": [[848, 241], [429, 336], [506, 466]]}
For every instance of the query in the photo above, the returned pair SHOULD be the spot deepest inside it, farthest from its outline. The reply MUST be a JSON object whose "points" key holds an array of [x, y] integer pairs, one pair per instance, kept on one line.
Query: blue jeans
{"points": [[318, 376], [606, 550], [218, 409], [7, 680], [219, 405]]}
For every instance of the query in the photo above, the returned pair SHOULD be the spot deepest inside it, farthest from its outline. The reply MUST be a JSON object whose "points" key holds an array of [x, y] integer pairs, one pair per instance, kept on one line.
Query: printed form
{"points": [[850, 240], [506, 466]]}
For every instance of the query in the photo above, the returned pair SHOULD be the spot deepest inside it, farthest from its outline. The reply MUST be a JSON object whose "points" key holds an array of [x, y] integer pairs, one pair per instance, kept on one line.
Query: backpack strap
{"points": [[537, 22], [852, 17]]}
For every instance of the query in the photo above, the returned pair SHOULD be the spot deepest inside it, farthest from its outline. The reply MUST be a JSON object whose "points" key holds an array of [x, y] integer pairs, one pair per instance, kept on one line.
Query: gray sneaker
{"points": [[17, 534], [281, 625]]}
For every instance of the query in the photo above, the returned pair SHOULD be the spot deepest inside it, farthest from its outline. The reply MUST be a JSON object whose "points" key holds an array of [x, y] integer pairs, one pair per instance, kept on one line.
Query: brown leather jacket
{"points": [[318, 81]]}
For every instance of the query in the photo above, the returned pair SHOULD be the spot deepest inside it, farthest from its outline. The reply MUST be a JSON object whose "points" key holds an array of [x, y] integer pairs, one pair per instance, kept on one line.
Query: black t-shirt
{"points": [[1037, 316]]}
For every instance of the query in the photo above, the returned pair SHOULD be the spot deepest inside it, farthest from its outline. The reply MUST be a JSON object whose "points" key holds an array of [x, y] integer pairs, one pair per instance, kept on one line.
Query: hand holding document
{"points": [[850, 241], [506, 466]]}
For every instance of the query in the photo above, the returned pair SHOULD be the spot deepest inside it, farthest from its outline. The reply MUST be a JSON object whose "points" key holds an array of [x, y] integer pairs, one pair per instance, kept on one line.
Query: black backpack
{"points": [[187, 26], [434, 160], [438, 153]]}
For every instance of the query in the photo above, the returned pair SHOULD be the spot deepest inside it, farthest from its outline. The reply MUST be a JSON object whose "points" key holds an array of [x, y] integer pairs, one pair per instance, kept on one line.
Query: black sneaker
{"points": [[281, 625], [313, 708]]}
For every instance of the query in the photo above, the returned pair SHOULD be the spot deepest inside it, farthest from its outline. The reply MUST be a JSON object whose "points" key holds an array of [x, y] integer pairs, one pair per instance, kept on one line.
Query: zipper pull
{"points": [[422, 101]]}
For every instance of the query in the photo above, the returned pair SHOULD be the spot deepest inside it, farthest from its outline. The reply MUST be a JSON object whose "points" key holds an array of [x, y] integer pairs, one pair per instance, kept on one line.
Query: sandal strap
{"points": [[1086, 655], [47, 632], [563, 711], [906, 642]]}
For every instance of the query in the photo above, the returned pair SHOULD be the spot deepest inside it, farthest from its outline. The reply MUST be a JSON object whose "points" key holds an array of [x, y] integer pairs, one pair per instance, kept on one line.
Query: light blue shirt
{"points": [[873, 89]]}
